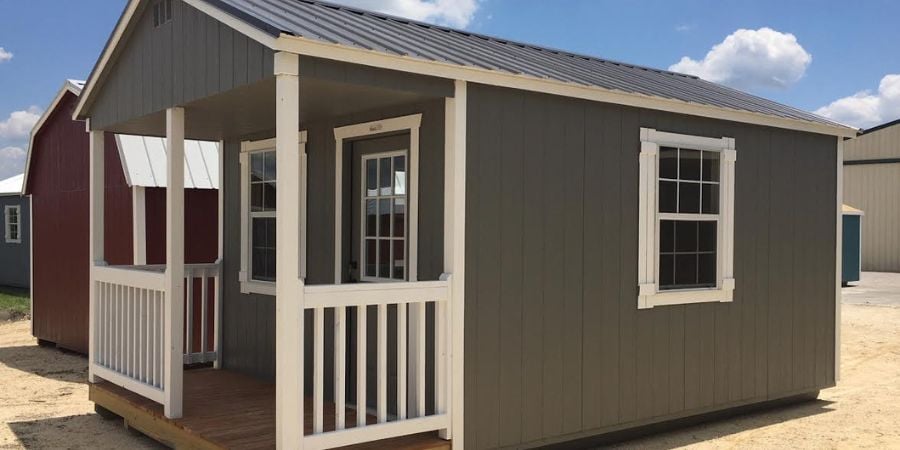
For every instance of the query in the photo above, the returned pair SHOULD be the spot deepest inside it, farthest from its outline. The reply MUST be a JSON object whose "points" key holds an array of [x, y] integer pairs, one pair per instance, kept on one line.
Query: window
{"points": [[162, 12], [258, 212], [383, 207], [13, 224], [686, 219]]}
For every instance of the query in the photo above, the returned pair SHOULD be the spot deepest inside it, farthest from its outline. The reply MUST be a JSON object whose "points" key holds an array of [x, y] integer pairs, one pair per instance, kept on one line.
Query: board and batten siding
{"points": [[15, 257], [873, 189], [555, 346], [191, 57], [249, 319]]}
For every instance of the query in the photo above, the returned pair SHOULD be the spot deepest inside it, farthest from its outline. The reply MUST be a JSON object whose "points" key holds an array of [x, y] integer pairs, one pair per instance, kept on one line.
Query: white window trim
{"points": [[362, 218], [649, 294], [249, 285], [8, 228], [409, 123]]}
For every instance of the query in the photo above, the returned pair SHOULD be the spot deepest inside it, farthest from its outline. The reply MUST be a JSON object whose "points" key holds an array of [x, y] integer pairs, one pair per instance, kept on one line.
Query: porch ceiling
{"points": [[250, 110]]}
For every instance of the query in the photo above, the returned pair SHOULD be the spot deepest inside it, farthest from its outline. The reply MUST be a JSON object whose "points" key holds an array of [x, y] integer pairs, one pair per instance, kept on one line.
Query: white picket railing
{"points": [[130, 308], [409, 415]]}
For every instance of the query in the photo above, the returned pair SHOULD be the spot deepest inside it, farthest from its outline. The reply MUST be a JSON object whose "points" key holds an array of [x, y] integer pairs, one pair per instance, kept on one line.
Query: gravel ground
{"points": [[43, 394]]}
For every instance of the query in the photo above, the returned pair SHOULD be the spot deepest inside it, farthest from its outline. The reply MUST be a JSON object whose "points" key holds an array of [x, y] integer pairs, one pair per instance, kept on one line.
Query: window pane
{"points": [[666, 270], [384, 258], [686, 236], [384, 176], [400, 175], [256, 197], [256, 166], [269, 196], [384, 217], [686, 270], [270, 264], [259, 264], [667, 236], [710, 166], [688, 197], [668, 163], [369, 258], [708, 236], [270, 166], [399, 217], [270, 233], [371, 217], [668, 196], [707, 270], [259, 233], [710, 198], [371, 177], [689, 165], [398, 260]]}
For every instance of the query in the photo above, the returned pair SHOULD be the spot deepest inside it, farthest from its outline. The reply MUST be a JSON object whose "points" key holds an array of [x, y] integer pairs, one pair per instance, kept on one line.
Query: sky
{"points": [[837, 59]]}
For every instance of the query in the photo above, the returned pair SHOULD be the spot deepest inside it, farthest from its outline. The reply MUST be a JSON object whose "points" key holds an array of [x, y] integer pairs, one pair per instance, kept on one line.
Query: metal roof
{"points": [[326, 22], [144, 162], [12, 185]]}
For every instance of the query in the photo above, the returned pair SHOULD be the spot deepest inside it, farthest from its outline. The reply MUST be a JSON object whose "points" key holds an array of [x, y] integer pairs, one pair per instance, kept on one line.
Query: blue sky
{"points": [[803, 53]]}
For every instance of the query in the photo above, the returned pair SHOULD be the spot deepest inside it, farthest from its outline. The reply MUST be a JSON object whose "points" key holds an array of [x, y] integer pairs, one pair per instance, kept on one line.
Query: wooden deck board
{"points": [[224, 409]]}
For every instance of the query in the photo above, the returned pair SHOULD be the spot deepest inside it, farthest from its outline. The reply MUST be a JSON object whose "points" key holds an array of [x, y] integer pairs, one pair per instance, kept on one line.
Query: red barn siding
{"points": [[58, 183]]}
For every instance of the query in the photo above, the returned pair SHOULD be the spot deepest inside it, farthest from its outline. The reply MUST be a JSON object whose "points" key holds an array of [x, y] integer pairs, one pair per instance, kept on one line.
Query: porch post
{"points": [[451, 399], [288, 287], [174, 312], [97, 188]]}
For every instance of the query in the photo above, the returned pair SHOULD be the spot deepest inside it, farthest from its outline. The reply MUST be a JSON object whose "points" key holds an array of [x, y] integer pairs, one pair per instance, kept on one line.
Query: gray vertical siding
{"points": [[15, 259], [192, 57], [555, 346], [249, 320]]}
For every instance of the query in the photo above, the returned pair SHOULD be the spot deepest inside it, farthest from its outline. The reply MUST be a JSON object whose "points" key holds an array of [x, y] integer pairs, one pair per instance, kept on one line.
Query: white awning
{"points": [[144, 162]]}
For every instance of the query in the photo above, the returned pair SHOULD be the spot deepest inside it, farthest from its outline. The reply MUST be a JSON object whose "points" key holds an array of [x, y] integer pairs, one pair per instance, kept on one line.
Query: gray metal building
{"points": [[638, 246]]}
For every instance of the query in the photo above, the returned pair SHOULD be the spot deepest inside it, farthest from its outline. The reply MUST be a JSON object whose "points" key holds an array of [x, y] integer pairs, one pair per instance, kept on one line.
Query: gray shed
{"points": [[478, 241], [15, 245]]}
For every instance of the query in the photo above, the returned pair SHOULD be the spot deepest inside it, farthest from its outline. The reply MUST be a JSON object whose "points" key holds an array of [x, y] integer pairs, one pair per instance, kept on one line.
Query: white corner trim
{"points": [[649, 294], [412, 123], [248, 285]]}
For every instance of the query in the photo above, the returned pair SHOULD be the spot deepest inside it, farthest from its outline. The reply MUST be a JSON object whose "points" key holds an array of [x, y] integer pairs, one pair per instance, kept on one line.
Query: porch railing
{"points": [[129, 323], [406, 304]]}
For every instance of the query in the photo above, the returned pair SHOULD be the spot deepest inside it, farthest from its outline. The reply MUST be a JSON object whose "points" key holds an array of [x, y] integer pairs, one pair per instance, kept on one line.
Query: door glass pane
{"points": [[370, 257], [384, 258], [371, 177], [384, 176], [668, 163], [689, 165], [371, 217], [398, 260], [399, 217], [384, 217], [400, 175]]}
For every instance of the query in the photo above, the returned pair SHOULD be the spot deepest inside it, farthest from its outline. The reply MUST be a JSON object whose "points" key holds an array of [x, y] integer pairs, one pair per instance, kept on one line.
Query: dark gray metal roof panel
{"points": [[352, 27]]}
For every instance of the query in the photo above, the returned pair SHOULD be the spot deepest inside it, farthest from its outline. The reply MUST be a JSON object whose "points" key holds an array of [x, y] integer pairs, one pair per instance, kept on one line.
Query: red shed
{"points": [[57, 180]]}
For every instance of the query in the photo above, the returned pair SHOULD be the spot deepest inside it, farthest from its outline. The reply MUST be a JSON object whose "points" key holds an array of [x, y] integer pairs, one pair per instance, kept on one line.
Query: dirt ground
{"points": [[43, 398]]}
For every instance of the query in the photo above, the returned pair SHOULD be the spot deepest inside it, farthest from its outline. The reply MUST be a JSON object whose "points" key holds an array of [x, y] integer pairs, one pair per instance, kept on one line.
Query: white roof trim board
{"points": [[144, 162], [12, 185]]}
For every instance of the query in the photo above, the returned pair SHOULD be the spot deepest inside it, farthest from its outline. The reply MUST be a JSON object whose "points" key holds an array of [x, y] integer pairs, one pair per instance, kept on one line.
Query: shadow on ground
{"points": [[701, 432], [47, 362], [89, 431]]}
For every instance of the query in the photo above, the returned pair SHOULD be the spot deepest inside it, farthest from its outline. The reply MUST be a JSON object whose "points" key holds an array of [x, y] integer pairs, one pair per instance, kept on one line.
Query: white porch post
{"points": [[174, 312], [97, 188], [288, 287], [139, 225], [454, 255]]}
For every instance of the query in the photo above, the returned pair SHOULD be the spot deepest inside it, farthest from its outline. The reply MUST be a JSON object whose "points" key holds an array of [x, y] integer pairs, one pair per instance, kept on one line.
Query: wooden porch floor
{"points": [[224, 409]]}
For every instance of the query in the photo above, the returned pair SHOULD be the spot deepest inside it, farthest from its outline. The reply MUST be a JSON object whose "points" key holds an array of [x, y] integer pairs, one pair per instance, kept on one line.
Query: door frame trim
{"points": [[410, 123]]}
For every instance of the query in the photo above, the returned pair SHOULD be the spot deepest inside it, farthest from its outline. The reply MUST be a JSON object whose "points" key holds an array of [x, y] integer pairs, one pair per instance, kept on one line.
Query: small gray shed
{"points": [[15, 244]]}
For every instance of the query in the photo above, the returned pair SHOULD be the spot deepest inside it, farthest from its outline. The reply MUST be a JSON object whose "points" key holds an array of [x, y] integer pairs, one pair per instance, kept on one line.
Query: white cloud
{"points": [[19, 123], [456, 13], [5, 55], [866, 108], [748, 59], [12, 162], [684, 28]]}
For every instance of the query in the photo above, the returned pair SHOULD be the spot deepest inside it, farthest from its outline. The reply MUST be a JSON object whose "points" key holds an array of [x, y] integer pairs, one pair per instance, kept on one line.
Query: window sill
{"points": [[258, 287], [653, 298]]}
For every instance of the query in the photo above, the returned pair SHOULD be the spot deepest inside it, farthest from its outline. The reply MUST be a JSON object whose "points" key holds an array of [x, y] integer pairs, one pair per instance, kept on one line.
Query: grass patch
{"points": [[15, 301]]}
